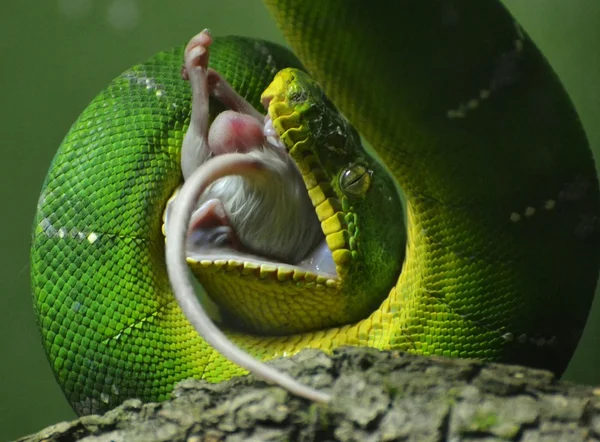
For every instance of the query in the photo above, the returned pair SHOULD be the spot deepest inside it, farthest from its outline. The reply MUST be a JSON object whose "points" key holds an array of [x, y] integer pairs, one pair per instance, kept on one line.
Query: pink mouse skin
{"points": [[235, 132]]}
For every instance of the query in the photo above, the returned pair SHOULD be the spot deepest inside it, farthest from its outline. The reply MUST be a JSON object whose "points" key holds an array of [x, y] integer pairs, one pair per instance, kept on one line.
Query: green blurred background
{"points": [[57, 54]]}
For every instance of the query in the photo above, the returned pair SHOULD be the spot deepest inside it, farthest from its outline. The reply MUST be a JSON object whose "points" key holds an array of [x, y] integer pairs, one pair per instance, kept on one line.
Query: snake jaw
{"points": [[316, 265], [318, 262], [228, 272], [316, 268], [320, 290], [267, 284]]}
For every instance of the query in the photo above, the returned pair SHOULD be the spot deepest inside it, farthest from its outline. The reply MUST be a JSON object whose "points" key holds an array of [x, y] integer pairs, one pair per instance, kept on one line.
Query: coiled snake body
{"points": [[502, 206]]}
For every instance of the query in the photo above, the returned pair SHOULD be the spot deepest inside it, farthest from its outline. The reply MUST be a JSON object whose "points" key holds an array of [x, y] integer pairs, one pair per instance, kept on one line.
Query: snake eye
{"points": [[355, 180]]}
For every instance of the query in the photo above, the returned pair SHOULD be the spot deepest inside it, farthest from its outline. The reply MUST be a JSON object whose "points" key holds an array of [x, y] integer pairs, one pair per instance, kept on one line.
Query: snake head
{"points": [[313, 130], [354, 199]]}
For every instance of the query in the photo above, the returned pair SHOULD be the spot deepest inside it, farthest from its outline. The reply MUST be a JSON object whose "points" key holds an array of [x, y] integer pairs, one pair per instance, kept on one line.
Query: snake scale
{"points": [[502, 250]]}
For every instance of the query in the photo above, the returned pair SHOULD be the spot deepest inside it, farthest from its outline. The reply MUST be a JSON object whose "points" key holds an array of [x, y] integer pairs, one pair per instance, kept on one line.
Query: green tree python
{"points": [[502, 247]]}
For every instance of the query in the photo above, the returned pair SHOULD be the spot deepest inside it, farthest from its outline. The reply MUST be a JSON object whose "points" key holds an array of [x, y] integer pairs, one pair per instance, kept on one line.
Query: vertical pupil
{"points": [[351, 178]]}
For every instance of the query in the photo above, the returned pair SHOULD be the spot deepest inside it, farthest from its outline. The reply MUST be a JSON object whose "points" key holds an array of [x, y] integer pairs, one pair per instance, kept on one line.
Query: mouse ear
{"points": [[210, 227]]}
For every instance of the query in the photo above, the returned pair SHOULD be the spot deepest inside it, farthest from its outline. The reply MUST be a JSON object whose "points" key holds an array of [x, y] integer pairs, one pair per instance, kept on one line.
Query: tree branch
{"points": [[376, 396]]}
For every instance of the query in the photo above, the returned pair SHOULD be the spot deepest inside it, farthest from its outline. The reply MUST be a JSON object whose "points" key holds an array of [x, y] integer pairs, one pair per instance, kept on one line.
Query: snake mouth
{"points": [[215, 245], [251, 291], [300, 124], [221, 247], [271, 135], [257, 292]]}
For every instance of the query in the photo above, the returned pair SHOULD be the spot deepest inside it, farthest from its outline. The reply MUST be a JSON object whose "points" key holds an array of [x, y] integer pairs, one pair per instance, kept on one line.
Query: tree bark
{"points": [[377, 396]]}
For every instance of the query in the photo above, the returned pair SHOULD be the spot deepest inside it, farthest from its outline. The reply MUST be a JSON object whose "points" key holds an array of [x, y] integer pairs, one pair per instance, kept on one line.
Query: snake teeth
{"points": [[271, 134], [269, 130]]}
